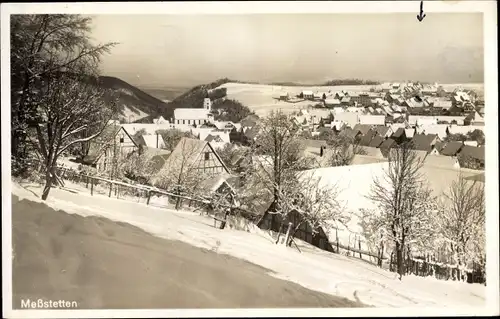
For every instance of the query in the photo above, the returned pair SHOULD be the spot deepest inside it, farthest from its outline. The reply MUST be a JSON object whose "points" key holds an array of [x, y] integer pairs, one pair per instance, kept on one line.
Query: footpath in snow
{"points": [[312, 268]]}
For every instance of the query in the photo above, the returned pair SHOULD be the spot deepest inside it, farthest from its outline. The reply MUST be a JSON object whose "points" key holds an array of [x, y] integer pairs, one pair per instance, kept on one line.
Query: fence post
{"points": [[91, 186], [110, 189], [337, 238], [349, 246], [359, 246], [287, 235], [87, 183], [149, 197]]}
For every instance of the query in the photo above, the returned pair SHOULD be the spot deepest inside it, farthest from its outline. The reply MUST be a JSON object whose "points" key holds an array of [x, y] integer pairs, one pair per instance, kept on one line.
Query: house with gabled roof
{"points": [[386, 146], [367, 137], [472, 157], [193, 155], [452, 148], [424, 142], [399, 135], [363, 128], [438, 147], [113, 143]]}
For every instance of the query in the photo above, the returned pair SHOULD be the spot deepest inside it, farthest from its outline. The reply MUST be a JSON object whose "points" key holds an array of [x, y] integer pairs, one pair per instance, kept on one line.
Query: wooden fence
{"points": [[418, 267]]}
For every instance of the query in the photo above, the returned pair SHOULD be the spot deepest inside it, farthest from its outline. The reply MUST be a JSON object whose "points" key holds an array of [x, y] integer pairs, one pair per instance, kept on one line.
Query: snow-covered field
{"points": [[312, 268], [262, 98]]}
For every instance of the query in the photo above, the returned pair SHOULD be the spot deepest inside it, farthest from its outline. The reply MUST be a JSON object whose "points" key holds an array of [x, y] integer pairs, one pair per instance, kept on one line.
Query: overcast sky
{"points": [[181, 50]]}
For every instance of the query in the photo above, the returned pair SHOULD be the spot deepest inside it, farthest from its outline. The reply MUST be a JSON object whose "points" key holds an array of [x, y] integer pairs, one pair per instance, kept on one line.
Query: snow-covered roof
{"points": [[133, 128], [332, 101], [191, 114], [154, 141], [372, 119], [350, 118]]}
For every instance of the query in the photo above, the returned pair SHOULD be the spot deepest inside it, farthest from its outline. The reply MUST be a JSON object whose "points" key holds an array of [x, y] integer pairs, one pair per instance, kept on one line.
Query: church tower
{"points": [[207, 104]]}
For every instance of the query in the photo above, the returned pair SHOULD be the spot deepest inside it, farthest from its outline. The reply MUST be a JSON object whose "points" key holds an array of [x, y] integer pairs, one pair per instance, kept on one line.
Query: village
{"points": [[193, 156], [331, 192]]}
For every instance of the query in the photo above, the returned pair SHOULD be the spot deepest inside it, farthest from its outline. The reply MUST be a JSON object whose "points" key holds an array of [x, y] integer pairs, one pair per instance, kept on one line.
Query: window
{"points": [[183, 121], [122, 138], [207, 156]]}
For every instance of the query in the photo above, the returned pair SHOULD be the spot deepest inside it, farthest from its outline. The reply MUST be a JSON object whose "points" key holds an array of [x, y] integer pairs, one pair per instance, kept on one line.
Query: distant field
{"points": [[167, 94], [262, 98]]}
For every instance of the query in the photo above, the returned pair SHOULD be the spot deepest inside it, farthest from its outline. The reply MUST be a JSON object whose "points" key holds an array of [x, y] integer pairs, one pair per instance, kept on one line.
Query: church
{"points": [[194, 116]]}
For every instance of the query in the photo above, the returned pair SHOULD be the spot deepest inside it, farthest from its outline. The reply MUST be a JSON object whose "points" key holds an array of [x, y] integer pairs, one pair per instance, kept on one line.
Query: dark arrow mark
{"points": [[421, 16]]}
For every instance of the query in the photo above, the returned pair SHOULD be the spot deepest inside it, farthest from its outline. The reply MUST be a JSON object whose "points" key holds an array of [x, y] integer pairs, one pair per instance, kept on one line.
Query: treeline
{"points": [[350, 82], [230, 110], [337, 82]]}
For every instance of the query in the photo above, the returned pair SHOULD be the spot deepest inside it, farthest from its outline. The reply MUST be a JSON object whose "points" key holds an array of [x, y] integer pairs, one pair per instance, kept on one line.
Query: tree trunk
{"points": [[178, 203], [48, 183], [391, 266], [279, 230], [399, 260]]}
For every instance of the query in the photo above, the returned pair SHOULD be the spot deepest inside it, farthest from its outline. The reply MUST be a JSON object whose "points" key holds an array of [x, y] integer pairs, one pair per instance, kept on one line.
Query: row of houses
{"points": [[376, 141], [400, 99]]}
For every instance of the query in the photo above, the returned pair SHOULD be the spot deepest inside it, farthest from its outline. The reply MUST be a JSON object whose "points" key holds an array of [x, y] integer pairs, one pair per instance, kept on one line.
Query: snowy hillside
{"points": [[312, 268]]}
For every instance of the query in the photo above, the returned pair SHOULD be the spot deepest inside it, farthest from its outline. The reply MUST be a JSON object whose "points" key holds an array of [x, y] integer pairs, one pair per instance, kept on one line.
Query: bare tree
{"points": [[68, 106], [41, 46], [138, 166], [342, 150], [181, 172], [462, 218], [313, 204], [404, 204], [279, 157]]}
